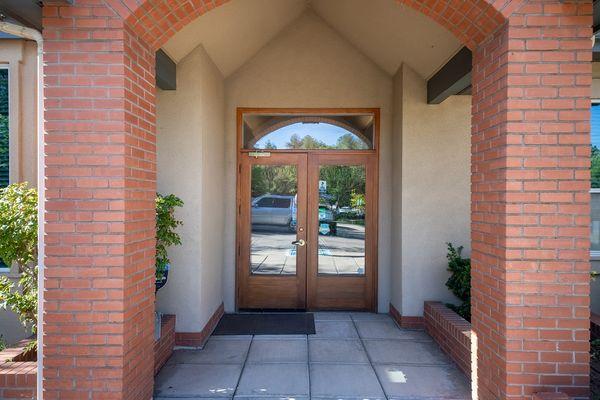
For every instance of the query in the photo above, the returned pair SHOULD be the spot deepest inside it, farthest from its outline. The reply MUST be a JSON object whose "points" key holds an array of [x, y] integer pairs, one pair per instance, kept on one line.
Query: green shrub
{"points": [[459, 282], [18, 246], [165, 230]]}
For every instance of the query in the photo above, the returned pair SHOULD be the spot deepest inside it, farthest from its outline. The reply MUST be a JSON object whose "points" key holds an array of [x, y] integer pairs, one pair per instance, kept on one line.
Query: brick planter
{"points": [[451, 332], [18, 379], [163, 347]]}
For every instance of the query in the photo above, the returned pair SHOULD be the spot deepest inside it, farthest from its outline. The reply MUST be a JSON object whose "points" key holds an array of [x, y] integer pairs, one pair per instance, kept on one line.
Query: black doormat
{"points": [[266, 324]]}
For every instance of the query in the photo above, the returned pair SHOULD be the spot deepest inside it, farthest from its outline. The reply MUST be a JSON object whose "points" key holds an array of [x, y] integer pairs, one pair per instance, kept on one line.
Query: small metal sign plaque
{"points": [[257, 154]]}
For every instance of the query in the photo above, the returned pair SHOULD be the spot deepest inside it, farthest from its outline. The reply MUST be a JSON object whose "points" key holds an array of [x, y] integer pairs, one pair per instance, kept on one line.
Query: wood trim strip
{"points": [[198, 339], [406, 322]]}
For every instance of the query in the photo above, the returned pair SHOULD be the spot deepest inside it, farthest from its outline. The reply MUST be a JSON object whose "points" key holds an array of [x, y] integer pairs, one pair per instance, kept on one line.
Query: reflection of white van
{"points": [[274, 209]]}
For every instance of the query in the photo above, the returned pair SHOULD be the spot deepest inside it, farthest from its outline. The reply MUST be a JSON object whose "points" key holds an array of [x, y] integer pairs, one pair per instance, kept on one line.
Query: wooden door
{"points": [[272, 251], [342, 231]]}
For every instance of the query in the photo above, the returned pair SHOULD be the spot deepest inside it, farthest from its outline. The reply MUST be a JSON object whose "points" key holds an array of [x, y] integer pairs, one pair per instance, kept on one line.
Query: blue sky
{"points": [[324, 132]]}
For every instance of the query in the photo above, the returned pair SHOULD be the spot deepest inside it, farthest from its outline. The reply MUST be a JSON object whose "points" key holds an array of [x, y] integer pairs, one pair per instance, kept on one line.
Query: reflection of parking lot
{"points": [[343, 253], [272, 251]]}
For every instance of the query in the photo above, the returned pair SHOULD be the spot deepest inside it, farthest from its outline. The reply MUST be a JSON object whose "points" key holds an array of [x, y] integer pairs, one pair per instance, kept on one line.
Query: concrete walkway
{"points": [[352, 356]]}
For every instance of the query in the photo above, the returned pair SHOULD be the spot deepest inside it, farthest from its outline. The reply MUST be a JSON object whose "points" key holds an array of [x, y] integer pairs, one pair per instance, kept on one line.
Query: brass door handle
{"points": [[300, 242]]}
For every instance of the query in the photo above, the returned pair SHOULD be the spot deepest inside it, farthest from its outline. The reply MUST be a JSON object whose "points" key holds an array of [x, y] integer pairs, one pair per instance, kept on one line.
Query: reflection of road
{"points": [[272, 252], [343, 253]]}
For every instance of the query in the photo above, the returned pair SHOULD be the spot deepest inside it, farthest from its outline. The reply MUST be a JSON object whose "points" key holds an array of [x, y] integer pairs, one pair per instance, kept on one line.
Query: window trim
{"points": [[11, 151], [300, 112], [7, 270], [594, 254]]}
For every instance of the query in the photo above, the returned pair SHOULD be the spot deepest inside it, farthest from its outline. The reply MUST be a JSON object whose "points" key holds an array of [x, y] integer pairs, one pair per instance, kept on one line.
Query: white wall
{"points": [[190, 146], [309, 65], [20, 56], [435, 201]]}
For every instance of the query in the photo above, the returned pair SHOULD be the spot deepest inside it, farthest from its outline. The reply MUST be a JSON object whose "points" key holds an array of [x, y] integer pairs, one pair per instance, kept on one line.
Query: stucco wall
{"points": [[20, 56], [309, 65], [435, 200], [424, 163], [396, 231], [190, 146]]}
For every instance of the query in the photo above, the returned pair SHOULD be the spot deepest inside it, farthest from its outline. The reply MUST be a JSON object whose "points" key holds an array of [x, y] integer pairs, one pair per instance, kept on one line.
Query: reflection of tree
{"points": [[595, 167], [269, 145], [343, 182], [347, 141], [350, 142], [273, 179], [306, 142], [358, 202]]}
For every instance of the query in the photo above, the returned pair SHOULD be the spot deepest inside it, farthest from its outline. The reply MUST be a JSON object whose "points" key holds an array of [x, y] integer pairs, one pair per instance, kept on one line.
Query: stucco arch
{"points": [[471, 21]]}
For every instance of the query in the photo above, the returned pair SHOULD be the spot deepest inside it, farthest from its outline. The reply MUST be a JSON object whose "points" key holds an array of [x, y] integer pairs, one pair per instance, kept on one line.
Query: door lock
{"points": [[300, 242]]}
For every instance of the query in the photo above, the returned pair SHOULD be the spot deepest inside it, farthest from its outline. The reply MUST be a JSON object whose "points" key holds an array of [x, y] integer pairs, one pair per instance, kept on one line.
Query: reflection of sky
{"points": [[326, 133], [595, 125]]}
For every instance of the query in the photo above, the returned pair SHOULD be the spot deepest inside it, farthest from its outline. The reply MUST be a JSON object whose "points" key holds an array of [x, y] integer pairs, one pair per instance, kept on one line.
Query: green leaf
{"points": [[459, 282], [166, 225], [18, 246]]}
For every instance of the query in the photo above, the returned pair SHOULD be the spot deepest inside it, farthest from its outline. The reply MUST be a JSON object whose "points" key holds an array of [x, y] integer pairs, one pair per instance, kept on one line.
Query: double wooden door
{"points": [[307, 231]]}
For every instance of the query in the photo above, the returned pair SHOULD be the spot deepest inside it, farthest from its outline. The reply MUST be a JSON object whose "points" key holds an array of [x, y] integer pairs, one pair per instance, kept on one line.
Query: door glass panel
{"points": [[274, 189], [308, 131], [342, 206]]}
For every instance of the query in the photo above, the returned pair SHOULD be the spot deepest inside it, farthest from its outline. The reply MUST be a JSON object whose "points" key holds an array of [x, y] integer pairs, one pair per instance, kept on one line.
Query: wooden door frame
{"points": [[338, 285], [291, 288], [374, 153]]}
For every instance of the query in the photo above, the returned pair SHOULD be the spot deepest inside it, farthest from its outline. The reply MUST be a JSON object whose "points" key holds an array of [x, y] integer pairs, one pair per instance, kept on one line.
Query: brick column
{"points": [[100, 188], [530, 202]]}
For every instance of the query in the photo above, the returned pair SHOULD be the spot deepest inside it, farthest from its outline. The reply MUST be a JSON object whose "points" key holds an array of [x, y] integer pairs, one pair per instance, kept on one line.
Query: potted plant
{"points": [[459, 281], [166, 236]]}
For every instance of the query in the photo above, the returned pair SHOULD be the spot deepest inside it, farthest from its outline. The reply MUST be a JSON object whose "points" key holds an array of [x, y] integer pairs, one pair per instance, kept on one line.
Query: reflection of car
{"points": [[326, 217], [273, 209]]}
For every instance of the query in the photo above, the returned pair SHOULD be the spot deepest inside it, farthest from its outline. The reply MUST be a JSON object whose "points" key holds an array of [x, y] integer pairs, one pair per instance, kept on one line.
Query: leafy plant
{"points": [[459, 282], [166, 236], [18, 246], [357, 201], [2, 343]]}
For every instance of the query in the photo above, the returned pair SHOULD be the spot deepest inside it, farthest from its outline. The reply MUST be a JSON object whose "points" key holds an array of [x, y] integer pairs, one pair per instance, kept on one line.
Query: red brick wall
{"points": [[100, 187], [163, 347], [530, 180], [18, 380], [530, 202], [451, 332]]}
